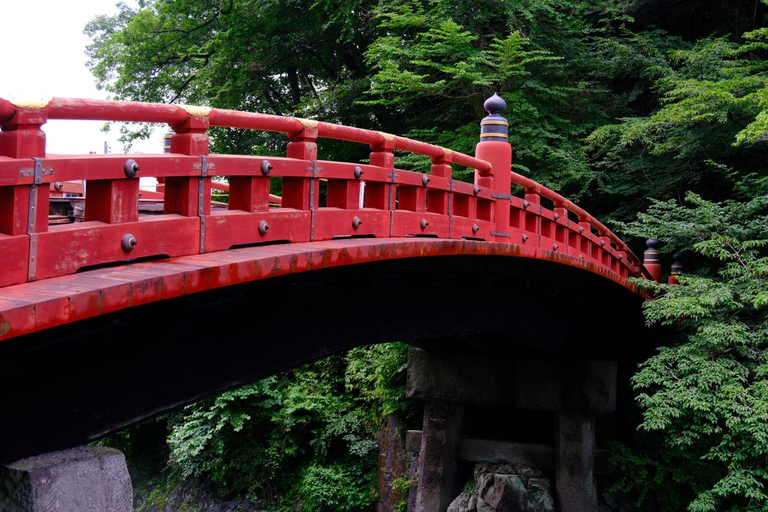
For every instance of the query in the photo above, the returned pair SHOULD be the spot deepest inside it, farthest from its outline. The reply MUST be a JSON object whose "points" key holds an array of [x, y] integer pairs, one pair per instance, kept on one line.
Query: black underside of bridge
{"points": [[72, 384]]}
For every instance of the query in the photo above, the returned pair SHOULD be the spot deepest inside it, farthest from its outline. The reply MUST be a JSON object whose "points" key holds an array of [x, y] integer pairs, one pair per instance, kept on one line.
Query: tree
{"points": [[706, 393]]}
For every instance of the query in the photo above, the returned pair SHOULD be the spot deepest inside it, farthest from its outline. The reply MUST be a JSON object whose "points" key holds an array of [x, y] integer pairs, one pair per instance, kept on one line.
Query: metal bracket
{"points": [[202, 234], [204, 166], [393, 175], [501, 196], [32, 217], [450, 208], [38, 171], [32, 264], [315, 170], [501, 233]]}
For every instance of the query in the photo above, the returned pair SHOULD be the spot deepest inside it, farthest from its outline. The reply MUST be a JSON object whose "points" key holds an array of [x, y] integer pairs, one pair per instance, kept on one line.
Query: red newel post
{"points": [[302, 193], [494, 148], [182, 193], [22, 137], [651, 259], [379, 195]]}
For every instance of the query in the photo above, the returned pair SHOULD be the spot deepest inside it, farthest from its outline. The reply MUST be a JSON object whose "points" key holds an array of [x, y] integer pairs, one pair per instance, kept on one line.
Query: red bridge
{"points": [[114, 319]]}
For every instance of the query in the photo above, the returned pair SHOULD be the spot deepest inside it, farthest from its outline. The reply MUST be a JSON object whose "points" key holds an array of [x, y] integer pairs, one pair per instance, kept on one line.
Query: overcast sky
{"points": [[44, 56]]}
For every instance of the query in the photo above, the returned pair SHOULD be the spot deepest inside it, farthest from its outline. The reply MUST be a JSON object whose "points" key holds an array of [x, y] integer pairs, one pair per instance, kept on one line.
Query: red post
{"points": [[494, 148], [379, 195], [21, 137], [182, 193], [302, 193]]}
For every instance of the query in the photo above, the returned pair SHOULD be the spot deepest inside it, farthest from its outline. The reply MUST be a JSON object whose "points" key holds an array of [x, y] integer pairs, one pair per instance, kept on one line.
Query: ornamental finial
{"points": [[494, 127], [495, 104]]}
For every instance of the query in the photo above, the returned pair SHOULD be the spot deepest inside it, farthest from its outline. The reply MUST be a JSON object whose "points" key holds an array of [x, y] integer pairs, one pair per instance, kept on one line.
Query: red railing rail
{"points": [[374, 199]]}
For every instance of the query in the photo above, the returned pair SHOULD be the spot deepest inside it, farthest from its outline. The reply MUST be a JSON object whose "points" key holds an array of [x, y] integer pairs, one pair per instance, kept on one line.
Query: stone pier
{"points": [[83, 479], [574, 393]]}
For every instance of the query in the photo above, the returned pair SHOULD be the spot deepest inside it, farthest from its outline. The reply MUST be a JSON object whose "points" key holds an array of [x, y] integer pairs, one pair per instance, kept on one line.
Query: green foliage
{"points": [[706, 132], [707, 394], [299, 440]]}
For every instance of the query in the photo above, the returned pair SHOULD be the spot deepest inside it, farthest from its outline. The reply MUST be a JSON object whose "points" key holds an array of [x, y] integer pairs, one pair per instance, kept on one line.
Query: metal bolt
{"points": [[525, 237], [265, 167], [581, 229], [424, 224], [621, 257], [356, 222], [475, 228], [131, 168], [128, 242], [557, 216], [525, 204], [476, 190], [358, 172], [554, 247], [424, 180], [602, 243], [263, 227], [58, 186]]}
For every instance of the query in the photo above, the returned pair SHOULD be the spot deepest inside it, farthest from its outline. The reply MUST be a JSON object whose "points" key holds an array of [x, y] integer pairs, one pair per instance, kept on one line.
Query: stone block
{"points": [[83, 479], [502, 452]]}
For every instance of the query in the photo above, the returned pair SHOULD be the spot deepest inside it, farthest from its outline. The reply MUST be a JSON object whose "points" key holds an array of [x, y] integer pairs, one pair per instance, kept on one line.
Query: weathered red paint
{"points": [[38, 261]]}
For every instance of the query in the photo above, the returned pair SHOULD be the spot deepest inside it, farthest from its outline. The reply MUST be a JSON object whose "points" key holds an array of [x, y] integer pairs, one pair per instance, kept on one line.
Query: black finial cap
{"points": [[651, 254], [677, 264], [494, 127], [495, 104]]}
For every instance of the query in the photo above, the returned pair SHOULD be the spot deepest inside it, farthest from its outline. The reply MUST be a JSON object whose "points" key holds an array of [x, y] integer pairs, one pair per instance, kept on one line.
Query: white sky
{"points": [[43, 56]]}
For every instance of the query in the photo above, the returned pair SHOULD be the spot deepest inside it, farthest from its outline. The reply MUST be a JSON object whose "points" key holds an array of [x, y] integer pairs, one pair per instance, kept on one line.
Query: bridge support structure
{"points": [[83, 479], [572, 394]]}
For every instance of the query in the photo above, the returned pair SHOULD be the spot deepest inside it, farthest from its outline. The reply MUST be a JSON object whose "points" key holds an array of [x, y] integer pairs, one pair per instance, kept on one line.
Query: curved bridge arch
{"points": [[96, 375]]}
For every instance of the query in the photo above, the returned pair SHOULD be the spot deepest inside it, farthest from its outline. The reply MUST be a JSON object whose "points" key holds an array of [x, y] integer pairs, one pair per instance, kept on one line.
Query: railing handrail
{"points": [[305, 130]]}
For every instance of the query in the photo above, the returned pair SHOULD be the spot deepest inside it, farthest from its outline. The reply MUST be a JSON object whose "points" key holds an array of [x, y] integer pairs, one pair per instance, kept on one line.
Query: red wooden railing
{"points": [[397, 203]]}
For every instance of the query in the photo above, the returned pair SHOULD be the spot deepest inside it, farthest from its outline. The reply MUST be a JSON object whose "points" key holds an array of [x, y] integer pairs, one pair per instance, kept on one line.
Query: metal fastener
{"points": [[525, 237], [265, 167], [554, 247], [358, 172], [356, 222], [128, 242], [131, 168], [424, 224], [475, 228], [476, 190], [58, 186], [424, 180], [263, 227]]}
